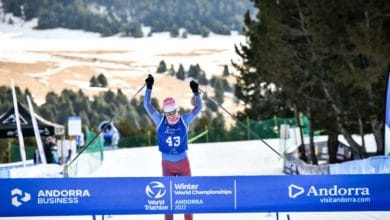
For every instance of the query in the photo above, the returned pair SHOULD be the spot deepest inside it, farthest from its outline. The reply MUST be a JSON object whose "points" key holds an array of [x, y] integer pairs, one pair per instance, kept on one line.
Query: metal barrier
{"points": [[7, 167]]}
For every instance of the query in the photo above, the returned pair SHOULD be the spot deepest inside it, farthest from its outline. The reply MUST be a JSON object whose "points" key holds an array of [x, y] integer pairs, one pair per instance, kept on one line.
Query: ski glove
{"points": [[149, 81], [194, 87]]}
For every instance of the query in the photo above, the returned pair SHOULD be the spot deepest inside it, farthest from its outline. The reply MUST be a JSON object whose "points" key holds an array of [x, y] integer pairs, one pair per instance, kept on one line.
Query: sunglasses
{"points": [[172, 113]]}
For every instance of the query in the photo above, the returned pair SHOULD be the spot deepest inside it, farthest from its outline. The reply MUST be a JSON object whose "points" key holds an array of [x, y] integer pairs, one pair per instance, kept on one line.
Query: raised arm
{"points": [[152, 112], [198, 104]]}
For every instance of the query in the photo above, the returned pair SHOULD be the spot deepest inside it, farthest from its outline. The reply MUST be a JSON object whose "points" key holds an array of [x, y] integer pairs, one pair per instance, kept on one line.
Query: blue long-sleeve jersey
{"points": [[158, 118]]}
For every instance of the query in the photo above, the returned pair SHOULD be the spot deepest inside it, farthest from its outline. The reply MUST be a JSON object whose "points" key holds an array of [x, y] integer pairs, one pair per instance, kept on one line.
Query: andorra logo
{"points": [[294, 191], [155, 190], [18, 197]]}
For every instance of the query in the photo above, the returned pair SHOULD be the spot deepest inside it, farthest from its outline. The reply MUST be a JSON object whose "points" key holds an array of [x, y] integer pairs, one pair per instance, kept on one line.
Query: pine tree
{"points": [[302, 53], [162, 67], [193, 71], [171, 71], [93, 82], [102, 80], [219, 92], [203, 79], [181, 73], [174, 32], [225, 70]]}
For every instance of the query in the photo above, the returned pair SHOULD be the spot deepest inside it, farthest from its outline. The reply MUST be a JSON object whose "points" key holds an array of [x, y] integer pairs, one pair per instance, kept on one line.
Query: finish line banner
{"points": [[157, 195]]}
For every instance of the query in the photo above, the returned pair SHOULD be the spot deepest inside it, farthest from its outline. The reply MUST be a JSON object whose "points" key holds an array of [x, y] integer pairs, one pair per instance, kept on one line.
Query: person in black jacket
{"points": [[51, 150]]}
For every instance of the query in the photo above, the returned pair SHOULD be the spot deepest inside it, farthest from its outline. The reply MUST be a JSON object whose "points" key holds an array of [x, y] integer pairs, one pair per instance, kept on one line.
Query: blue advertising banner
{"points": [[153, 195]]}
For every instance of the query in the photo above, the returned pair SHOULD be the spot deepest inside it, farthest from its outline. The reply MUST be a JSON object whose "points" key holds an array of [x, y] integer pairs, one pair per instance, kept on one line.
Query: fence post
{"points": [[149, 141], [247, 128], [207, 134], [9, 150], [275, 128]]}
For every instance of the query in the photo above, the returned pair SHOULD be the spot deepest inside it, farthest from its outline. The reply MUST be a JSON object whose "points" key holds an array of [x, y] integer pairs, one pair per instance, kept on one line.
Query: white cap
{"points": [[169, 104]]}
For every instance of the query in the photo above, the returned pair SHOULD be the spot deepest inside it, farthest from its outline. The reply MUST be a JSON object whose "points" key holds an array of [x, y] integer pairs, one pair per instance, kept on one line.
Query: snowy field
{"points": [[52, 60], [212, 159], [22, 44]]}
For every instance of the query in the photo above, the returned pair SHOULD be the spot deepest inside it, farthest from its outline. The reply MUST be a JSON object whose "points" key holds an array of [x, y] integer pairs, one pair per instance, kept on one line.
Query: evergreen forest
{"points": [[326, 59], [126, 17]]}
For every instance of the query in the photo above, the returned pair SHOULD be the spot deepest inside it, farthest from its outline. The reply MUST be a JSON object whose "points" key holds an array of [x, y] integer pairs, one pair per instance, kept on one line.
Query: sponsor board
{"points": [[155, 195]]}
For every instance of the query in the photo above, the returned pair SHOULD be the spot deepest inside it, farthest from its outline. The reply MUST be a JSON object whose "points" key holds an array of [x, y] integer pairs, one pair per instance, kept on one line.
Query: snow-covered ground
{"points": [[52, 60], [20, 43]]}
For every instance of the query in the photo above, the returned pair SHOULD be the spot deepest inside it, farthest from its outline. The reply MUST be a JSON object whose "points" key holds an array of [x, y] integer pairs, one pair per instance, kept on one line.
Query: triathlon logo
{"points": [[155, 190], [294, 191], [18, 197]]}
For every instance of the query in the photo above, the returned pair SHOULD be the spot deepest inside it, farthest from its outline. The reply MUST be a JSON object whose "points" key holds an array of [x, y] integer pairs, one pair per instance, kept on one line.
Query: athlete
{"points": [[172, 132]]}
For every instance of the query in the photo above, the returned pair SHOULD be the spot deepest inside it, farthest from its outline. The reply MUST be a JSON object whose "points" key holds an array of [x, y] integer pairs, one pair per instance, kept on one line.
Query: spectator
{"points": [[51, 150]]}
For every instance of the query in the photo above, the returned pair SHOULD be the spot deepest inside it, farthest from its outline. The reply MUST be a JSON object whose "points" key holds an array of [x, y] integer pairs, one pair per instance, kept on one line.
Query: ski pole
{"points": [[97, 135], [240, 123]]}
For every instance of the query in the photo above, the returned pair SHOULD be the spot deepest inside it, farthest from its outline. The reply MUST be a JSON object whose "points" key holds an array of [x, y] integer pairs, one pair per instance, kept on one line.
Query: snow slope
{"points": [[209, 159], [52, 60]]}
